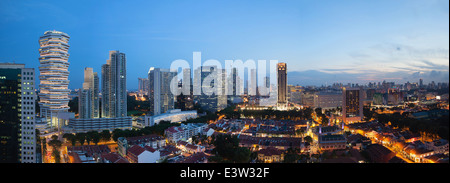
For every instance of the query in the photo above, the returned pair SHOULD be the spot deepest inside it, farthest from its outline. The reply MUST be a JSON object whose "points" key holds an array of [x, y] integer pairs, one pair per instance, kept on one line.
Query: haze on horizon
{"points": [[323, 41]]}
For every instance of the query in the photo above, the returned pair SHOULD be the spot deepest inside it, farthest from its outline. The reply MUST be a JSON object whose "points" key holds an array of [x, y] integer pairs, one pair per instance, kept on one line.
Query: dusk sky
{"points": [[321, 41]]}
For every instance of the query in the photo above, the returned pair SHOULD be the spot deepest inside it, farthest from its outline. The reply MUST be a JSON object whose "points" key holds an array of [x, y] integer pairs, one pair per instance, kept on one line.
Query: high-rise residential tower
{"points": [[88, 101], [352, 106], [282, 86], [160, 97], [114, 86], [54, 74], [17, 114]]}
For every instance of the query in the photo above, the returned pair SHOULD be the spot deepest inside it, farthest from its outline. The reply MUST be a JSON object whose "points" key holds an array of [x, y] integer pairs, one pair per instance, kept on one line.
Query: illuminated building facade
{"points": [[174, 116], [327, 100], [97, 124], [54, 74], [282, 86], [352, 106], [17, 114]]}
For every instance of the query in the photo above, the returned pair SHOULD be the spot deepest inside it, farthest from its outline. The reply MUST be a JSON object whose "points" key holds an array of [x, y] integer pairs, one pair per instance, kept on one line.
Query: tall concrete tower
{"points": [[88, 101], [282, 103], [114, 86], [160, 97]]}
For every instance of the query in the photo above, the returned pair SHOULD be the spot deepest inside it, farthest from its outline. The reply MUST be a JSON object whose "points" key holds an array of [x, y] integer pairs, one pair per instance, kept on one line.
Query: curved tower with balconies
{"points": [[54, 75]]}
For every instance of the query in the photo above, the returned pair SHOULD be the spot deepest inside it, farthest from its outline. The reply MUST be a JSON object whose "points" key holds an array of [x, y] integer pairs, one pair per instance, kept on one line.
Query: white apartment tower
{"points": [[54, 74], [160, 97]]}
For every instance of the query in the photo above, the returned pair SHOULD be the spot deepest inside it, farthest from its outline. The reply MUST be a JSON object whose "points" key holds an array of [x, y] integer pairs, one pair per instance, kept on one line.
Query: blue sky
{"points": [[344, 41]]}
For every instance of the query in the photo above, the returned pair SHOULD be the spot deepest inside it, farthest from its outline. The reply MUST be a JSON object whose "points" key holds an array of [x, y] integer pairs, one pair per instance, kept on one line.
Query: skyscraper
{"points": [[252, 85], [54, 74], [352, 106], [17, 114], [185, 101], [282, 86], [114, 86], [143, 86], [88, 101], [233, 83], [212, 82], [160, 97]]}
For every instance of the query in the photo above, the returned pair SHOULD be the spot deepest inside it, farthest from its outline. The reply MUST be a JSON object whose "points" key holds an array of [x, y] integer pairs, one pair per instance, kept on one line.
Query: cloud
{"points": [[318, 78]]}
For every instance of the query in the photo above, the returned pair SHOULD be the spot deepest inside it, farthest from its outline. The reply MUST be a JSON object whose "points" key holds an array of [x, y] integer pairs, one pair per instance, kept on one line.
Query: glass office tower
{"points": [[17, 114]]}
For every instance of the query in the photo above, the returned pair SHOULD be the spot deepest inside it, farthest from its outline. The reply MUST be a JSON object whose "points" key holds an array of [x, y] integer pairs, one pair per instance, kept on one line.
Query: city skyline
{"points": [[148, 82], [339, 42]]}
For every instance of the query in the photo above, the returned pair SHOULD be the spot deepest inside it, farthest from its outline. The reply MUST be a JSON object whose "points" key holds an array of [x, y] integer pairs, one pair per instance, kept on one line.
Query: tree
{"points": [[56, 155], [81, 137], [230, 112], [300, 132], [70, 137], [318, 111], [54, 137], [44, 146], [227, 147], [291, 158], [308, 139], [55, 143], [241, 155], [93, 136], [105, 135], [96, 138], [117, 133]]}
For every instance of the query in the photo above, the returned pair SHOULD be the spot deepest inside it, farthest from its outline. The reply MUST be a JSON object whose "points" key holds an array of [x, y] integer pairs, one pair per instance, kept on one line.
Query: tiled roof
{"points": [[340, 160], [190, 146], [90, 150], [270, 151], [396, 159], [325, 138], [354, 137], [145, 138], [136, 150], [114, 158], [169, 150], [196, 158], [180, 142], [75, 157], [266, 141], [174, 129], [148, 148], [438, 158], [376, 150]]}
